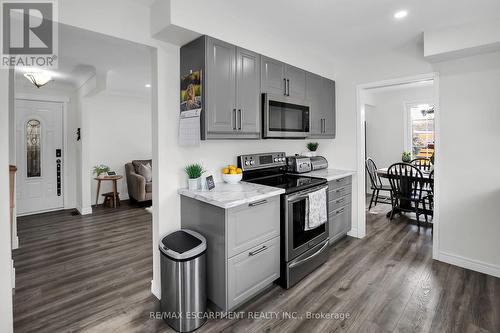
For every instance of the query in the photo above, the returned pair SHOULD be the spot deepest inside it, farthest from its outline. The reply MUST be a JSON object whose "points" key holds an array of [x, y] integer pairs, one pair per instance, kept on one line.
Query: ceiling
{"points": [[338, 28], [82, 53]]}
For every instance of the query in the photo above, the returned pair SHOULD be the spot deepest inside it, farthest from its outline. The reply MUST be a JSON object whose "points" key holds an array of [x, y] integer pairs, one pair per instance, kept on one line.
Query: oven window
{"points": [[298, 215], [287, 117]]}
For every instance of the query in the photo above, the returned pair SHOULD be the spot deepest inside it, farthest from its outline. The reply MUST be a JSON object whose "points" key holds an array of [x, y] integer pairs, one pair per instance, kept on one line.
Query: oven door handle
{"points": [[322, 249], [305, 193]]}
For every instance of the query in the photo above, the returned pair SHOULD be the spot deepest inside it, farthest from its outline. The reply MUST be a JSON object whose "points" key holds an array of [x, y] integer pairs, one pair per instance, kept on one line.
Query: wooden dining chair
{"points": [[422, 163], [407, 185], [376, 183]]}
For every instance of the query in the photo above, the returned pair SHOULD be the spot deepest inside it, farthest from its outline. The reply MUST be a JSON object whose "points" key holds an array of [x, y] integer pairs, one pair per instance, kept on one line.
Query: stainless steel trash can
{"points": [[183, 280]]}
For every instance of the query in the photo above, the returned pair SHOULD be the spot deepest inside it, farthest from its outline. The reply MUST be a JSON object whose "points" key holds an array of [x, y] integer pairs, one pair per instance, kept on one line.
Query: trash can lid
{"points": [[183, 244]]}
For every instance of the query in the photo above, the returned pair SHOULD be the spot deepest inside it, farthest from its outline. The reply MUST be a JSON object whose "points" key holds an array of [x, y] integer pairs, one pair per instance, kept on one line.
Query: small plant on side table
{"points": [[194, 172], [101, 170]]}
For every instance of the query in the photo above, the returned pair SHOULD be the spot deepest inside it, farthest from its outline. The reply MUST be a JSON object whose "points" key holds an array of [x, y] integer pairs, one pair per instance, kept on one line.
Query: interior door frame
{"points": [[54, 99], [360, 150]]}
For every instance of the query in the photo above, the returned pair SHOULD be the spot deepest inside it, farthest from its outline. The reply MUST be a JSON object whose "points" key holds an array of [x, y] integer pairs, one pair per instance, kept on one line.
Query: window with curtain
{"points": [[421, 129], [33, 149]]}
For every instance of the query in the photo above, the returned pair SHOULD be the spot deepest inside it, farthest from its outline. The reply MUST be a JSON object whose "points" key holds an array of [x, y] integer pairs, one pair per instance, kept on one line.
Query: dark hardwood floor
{"points": [[93, 274]]}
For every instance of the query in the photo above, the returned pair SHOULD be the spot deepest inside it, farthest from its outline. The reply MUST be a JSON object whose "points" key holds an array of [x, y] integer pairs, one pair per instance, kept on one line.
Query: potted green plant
{"points": [[406, 157], [101, 170], [194, 172], [312, 147]]}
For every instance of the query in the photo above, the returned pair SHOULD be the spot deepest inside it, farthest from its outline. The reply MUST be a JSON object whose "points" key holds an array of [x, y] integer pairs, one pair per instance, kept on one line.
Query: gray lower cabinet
{"points": [[252, 270], [339, 207], [243, 247], [320, 93]]}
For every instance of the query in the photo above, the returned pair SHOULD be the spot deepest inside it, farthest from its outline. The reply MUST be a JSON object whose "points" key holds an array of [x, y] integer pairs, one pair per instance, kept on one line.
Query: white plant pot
{"points": [[194, 184]]}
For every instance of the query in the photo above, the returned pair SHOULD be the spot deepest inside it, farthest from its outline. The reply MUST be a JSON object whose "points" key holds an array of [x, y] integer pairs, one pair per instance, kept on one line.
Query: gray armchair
{"points": [[138, 188]]}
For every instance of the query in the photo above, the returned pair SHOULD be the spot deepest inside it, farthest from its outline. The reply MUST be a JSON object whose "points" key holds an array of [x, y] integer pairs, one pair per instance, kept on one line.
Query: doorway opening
{"points": [[95, 110], [398, 122]]}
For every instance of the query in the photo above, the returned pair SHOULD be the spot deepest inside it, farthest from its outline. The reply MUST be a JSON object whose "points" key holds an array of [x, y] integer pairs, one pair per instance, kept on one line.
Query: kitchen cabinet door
{"points": [[314, 96], [296, 81], [221, 87], [329, 111], [251, 271], [248, 91], [340, 223], [272, 76]]}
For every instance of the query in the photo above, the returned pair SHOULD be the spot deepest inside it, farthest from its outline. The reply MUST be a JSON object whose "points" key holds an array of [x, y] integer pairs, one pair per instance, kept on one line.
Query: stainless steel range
{"points": [[302, 251]]}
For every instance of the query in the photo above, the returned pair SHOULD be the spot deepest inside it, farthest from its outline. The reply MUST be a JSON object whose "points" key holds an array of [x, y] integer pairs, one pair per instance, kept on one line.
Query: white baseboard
{"points": [[353, 232], [84, 210], [474, 265], [155, 290], [13, 282], [15, 243]]}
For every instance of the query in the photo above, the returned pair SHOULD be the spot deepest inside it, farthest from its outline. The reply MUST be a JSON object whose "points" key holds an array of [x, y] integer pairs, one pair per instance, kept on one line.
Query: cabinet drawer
{"points": [[252, 270], [336, 193], [334, 184], [340, 222], [252, 224], [335, 204]]}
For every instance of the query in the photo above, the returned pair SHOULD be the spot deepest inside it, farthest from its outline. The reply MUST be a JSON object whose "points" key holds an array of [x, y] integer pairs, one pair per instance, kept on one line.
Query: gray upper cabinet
{"points": [[320, 93], [248, 91], [273, 79], [233, 80], [281, 79], [296, 82], [221, 87]]}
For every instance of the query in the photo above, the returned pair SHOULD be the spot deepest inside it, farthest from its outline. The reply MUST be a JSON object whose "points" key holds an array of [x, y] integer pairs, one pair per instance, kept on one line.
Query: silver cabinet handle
{"points": [[284, 81], [235, 120], [340, 179], [288, 84], [263, 248], [340, 200], [340, 211], [311, 256], [324, 125], [342, 189], [239, 110], [257, 203]]}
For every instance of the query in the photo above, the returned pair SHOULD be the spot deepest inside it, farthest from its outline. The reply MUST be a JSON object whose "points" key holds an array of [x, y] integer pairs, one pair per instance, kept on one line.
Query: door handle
{"points": [[258, 203], [263, 248], [288, 84], [284, 84], [311, 256], [240, 119], [235, 120]]}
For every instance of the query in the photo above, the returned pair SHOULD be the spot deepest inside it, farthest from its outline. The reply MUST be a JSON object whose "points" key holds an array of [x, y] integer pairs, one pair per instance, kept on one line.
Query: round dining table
{"points": [[426, 181]]}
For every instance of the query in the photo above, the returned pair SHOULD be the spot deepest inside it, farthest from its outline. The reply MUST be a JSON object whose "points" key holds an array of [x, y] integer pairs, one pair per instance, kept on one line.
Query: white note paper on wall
{"points": [[189, 128]]}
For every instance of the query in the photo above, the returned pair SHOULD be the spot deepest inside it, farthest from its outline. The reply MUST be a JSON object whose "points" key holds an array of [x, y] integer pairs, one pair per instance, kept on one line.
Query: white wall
{"points": [[470, 189], [119, 132], [5, 234], [385, 122]]}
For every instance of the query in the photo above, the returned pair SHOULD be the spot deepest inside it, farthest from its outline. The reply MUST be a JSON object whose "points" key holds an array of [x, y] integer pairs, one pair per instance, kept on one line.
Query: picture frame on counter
{"points": [[210, 182]]}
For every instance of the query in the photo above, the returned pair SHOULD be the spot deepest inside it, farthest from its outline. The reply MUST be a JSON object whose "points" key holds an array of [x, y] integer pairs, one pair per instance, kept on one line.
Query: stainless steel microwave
{"points": [[284, 117]]}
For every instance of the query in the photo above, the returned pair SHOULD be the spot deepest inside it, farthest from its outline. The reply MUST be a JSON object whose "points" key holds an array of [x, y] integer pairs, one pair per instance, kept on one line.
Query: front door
{"points": [[39, 148]]}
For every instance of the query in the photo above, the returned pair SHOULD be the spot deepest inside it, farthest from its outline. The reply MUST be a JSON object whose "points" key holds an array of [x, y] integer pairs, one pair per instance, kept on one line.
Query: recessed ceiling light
{"points": [[148, 85], [400, 14]]}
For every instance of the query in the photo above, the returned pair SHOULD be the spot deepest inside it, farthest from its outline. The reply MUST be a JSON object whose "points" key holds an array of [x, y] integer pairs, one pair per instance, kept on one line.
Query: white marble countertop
{"points": [[329, 174], [231, 195]]}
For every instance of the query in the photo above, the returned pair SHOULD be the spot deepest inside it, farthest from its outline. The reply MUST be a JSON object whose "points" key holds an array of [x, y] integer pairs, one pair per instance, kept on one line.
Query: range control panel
{"points": [[260, 161]]}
